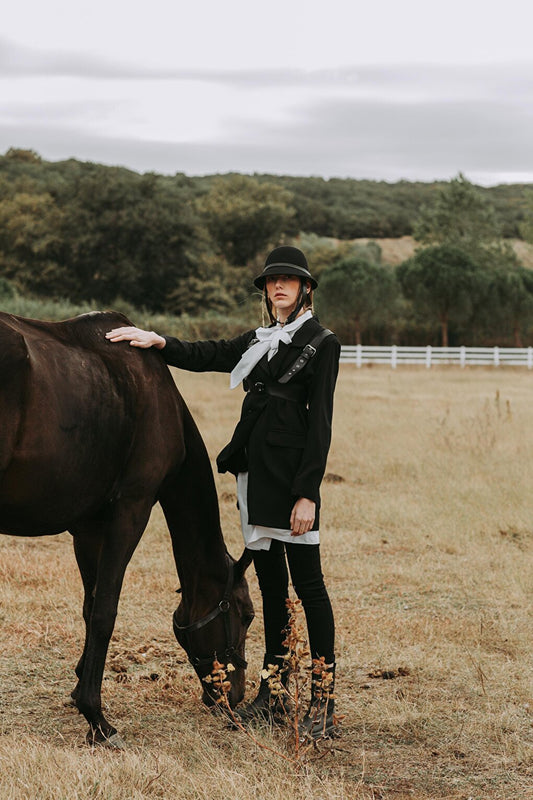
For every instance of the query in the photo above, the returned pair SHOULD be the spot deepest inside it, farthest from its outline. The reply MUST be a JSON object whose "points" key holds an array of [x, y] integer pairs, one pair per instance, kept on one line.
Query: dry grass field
{"points": [[428, 554]]}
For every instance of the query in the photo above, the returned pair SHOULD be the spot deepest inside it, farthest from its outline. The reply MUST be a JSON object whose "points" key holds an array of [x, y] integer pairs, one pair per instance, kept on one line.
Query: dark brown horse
{"points": [[92, 434]]}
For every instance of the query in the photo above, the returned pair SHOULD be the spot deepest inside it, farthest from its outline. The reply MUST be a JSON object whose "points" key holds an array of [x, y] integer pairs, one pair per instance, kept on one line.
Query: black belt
{"points": [[286, 391]]}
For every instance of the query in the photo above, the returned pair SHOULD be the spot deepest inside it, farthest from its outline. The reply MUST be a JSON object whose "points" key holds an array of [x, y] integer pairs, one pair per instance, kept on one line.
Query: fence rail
{"points": [[432, 356]]}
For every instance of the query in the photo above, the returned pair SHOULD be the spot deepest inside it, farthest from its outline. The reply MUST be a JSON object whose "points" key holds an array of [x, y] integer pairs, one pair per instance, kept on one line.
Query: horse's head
{"points": [[219, 635]]}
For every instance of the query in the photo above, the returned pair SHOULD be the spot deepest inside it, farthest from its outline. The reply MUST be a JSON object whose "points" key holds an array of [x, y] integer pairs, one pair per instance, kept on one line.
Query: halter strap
{"points": [[223, 607]]}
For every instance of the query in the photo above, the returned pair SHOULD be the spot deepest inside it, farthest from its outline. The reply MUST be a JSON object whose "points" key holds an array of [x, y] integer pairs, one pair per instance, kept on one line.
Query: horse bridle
{"points": [[230, 654]]}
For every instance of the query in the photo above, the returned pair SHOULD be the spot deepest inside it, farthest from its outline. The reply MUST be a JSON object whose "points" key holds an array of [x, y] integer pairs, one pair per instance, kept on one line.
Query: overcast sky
{"points": [[395, 89]]}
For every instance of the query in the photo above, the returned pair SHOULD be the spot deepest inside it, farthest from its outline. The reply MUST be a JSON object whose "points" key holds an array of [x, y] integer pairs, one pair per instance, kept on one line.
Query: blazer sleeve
{"points": [[320, 401], [206, 356]]}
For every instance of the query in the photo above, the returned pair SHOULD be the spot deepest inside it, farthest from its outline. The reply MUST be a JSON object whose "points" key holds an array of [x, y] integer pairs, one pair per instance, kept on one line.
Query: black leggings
{"points": [[308, 581]]}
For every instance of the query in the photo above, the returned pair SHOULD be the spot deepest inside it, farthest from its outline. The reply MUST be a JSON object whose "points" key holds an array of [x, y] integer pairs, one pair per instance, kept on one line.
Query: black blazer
{"points": [[283, 444]]}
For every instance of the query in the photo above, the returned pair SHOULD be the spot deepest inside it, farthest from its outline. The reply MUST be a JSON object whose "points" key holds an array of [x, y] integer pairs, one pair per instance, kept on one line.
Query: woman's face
{"points": [[283, 293]]}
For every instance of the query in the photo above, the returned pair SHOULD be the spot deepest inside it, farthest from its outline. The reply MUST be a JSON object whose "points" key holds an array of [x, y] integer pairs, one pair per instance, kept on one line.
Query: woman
{"points": [[278, 454]]}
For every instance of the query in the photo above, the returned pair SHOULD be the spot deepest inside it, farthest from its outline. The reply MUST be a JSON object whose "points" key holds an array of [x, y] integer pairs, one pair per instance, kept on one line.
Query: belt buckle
{"points": [[259, 387]]}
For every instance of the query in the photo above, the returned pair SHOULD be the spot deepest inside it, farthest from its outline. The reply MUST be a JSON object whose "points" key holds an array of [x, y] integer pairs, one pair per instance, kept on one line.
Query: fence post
{"points": [[530, 357], [359, 355], [496, 356], [393, 356], [462, 356], [428, 356]]}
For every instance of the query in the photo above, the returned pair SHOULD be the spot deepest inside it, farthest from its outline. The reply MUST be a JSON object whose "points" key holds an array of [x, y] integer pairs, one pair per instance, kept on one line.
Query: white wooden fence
{"points": [[432, 356]]}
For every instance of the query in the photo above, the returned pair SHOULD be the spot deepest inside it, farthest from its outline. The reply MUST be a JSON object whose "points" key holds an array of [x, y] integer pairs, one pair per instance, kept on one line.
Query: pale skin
{"points": [[282, 292]]}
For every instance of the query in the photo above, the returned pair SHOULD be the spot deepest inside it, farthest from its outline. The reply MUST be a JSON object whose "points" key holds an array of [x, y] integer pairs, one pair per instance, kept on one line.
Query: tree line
{"points": [[179, 245]]}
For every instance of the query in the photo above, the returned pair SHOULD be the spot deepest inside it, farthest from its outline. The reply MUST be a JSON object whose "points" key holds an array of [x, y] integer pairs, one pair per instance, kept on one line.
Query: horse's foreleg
{"points": [[119, 542], [87, 547]]}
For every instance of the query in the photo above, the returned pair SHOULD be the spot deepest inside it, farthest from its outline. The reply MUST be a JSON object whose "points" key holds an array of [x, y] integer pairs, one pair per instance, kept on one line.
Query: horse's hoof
{"points": [[113, 742], [69, 702]]}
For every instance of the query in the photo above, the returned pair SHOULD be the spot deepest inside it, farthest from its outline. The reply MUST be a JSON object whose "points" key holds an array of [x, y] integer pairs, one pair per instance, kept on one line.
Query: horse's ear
{"points": [[242, 564]]}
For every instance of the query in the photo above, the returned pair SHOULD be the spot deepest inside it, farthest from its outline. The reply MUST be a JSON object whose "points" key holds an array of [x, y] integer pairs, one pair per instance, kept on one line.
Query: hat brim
{"points": [[284, 269]]}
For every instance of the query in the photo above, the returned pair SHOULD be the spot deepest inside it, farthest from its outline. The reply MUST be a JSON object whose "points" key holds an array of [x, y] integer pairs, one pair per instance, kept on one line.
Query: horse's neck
{"points": [[190, 504], [201, 561]]}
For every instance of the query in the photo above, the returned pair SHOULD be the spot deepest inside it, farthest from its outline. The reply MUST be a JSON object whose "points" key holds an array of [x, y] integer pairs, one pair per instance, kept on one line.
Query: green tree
{"points": [[7, 290], [208, 287], [245, 216], [356, 293], [440, 281], [459, 216], [23, 156], [31, 244], [130, 236], [511, 292], [526, 226]]}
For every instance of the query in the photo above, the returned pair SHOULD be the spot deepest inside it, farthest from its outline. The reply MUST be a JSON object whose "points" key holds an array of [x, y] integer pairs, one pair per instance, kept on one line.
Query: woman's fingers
{"points": [[302, 516], [292, 520], [136, 337], [122, 334]]}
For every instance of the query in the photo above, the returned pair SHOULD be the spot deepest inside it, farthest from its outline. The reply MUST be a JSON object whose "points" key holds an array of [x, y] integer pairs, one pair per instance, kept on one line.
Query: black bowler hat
{"points": [[285, 260]]}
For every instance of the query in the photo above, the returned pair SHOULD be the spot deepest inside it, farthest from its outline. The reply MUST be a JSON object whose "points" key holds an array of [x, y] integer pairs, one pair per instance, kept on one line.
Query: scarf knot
{"points": [[268, 341]]}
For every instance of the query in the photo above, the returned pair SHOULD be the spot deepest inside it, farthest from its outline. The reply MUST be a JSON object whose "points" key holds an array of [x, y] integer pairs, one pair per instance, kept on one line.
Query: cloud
{"points": [[18, 60], [482, 135], [404, 137], [335, 140], [383, 122]]}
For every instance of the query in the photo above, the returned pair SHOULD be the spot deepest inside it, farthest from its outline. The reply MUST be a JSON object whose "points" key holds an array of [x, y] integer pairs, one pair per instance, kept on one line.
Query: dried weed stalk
{"points": [[300, 674], [287, 685]]}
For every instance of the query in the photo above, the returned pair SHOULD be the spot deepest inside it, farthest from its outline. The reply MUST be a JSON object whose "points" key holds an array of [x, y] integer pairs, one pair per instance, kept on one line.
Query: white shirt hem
{"points": [[259, 537]]}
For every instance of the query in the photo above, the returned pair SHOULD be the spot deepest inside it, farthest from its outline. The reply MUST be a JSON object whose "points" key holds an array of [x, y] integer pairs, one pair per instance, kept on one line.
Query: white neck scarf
{"points": [[269, 339]]}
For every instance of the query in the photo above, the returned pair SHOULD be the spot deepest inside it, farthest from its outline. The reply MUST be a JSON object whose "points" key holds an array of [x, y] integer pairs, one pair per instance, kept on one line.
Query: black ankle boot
{"points": [[270, 702], [319, 721]]}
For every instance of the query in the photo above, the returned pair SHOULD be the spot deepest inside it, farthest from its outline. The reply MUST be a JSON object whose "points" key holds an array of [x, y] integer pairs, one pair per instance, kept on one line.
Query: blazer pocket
{"points": [[286, 439]]}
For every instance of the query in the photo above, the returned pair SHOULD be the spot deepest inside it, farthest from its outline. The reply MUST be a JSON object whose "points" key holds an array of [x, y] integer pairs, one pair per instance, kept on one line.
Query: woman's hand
{"points": [[136, 337], [303, 516]]}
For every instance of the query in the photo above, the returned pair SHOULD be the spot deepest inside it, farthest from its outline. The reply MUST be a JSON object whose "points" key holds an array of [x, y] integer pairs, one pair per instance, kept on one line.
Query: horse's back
{"points": [[84, 332], [94, 419]]}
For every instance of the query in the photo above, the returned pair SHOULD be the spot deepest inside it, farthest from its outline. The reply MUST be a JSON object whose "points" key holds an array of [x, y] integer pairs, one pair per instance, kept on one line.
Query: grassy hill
{"points": [[394, 251]]}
